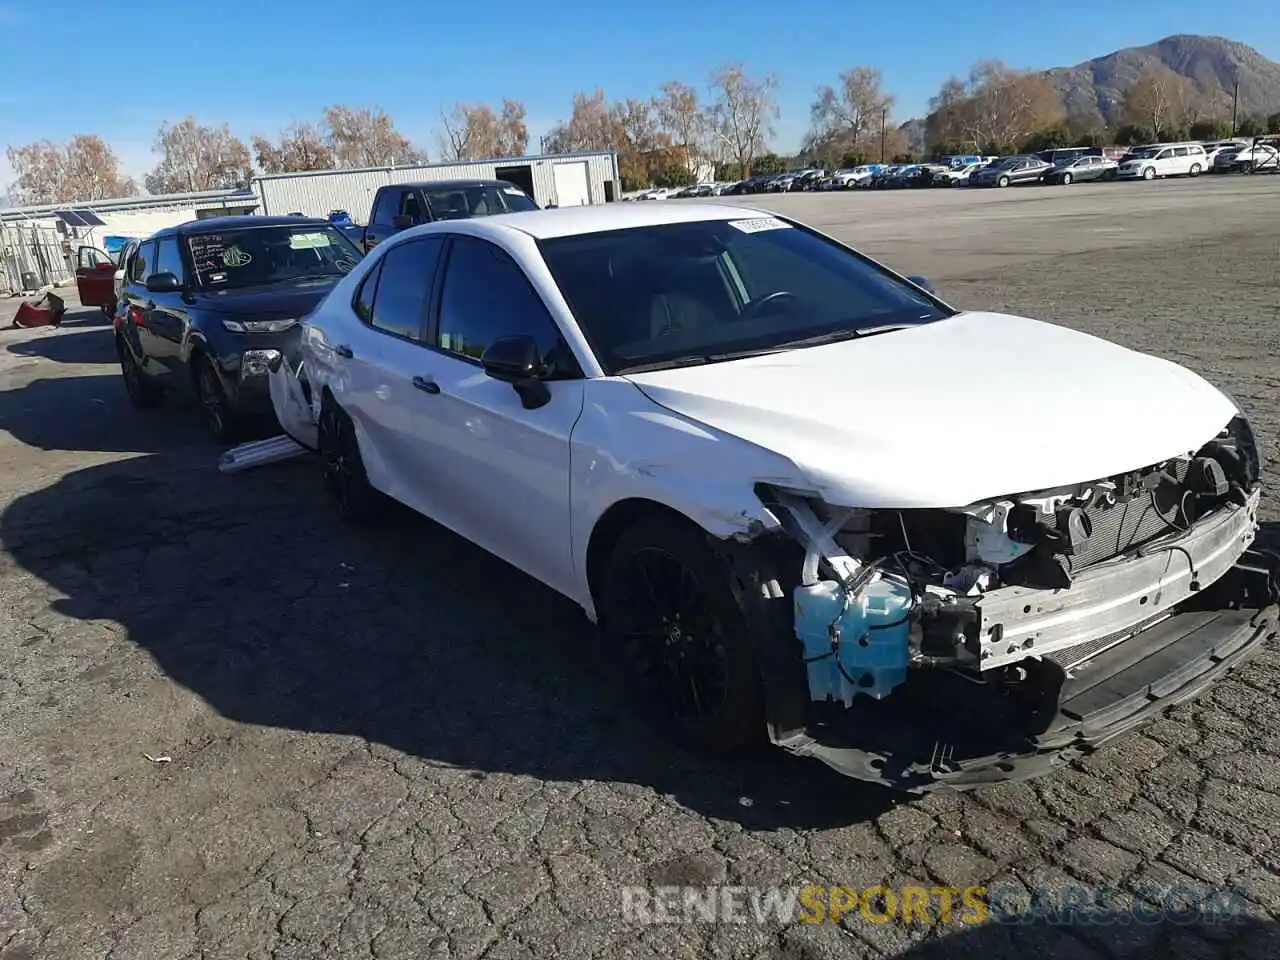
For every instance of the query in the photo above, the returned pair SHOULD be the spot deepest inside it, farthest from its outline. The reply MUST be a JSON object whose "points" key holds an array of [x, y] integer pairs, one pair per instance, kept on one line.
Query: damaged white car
{"points": [[803, 497]]}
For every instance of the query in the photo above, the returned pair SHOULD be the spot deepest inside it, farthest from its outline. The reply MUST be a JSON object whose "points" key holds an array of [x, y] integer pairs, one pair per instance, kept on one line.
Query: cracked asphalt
{"points": [[389, 745]]}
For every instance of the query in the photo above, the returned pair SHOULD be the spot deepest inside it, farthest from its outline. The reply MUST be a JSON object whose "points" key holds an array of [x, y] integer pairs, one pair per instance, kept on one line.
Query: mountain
{"points": [[1095, 89]]}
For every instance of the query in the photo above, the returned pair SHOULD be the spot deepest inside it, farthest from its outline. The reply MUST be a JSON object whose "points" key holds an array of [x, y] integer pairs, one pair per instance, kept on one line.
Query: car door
{"points": [[500, 472], [385, 207], [388, 353], [95, 277], [167, 314], [135, 319]]}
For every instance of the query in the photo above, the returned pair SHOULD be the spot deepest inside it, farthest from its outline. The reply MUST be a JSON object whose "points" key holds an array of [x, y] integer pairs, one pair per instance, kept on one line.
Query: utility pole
{"points": [[884, 114], [1235, 100]]}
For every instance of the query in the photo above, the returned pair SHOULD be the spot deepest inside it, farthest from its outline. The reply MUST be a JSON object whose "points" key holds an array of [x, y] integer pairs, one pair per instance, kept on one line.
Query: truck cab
{"points": [[399, 206]]}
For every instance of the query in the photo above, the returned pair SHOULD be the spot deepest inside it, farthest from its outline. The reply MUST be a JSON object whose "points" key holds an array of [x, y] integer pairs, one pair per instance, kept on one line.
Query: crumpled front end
{"points": [[959, 646]]}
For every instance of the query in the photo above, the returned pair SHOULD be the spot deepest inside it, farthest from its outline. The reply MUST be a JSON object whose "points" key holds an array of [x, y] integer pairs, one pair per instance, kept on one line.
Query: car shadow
{"points": [[246, 589], [90, 344], [1214, 929], [92, 414]]}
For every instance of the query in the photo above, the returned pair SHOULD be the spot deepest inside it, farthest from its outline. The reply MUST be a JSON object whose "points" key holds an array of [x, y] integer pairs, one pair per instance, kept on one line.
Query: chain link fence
{"points": [[32, 257]]}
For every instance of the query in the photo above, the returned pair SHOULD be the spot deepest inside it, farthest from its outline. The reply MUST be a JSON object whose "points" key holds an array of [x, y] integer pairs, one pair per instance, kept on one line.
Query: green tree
{"points": [[1209, 130], [1273, 123], [673, 174], [1251, 127], [768, 163]]}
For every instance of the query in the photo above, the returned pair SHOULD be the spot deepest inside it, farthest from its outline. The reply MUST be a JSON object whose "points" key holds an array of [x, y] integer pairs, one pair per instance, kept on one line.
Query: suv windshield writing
{"points": [[704, 291], [460, 203], [251, 256]]}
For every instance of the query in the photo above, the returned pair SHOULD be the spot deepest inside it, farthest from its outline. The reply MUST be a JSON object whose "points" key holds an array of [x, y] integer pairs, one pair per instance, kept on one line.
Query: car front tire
{"points": [[1002, 182], [668, 609], [1066, 179], [144, 392], [1149, 173], [345, 480], [215, 408]]}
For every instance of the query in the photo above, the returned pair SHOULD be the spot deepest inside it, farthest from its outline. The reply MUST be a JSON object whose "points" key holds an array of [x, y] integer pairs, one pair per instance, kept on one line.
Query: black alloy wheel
{"points": [[142, 392], [683, 638], [214, 407], [342, 467]]}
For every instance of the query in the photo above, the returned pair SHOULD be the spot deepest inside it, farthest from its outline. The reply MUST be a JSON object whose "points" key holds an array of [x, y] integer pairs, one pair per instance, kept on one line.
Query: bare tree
{"points": [[302, 146], [996, 109], [195, 157], [85, 168], [743, 112], [1161, 102], [366, 137], [476, 132], [680, 116], [851, 117], [591, 126]]}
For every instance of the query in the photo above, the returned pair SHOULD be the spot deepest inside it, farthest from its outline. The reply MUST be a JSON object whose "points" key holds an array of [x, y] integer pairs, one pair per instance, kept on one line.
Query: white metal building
{"points": [[37, 242], [565, 180]]}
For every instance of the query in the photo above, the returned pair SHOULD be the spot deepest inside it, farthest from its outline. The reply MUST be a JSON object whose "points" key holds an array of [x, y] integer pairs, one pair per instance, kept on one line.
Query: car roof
{"points": [[454, 184], [597, 218], [244, 221]]}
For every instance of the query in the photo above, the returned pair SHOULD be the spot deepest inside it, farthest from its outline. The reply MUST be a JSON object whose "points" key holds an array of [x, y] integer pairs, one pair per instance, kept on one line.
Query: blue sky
{"points": [[259, 66]]}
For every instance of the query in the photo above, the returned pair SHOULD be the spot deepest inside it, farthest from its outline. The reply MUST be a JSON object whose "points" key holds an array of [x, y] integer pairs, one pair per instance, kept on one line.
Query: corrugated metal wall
{"points": [[315, 194]]}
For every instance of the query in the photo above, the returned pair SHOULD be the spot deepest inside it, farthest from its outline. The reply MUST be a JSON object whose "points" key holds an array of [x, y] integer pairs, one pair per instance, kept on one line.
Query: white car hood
{"points": [[970, 408]]}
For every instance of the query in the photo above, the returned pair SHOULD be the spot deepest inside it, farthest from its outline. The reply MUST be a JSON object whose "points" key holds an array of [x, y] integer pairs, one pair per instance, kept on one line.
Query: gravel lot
{"points": [[392, 746]]}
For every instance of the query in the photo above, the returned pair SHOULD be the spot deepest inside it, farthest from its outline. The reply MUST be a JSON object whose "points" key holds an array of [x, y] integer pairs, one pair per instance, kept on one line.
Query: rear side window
{"points": [[403, 291], [364, 296]]}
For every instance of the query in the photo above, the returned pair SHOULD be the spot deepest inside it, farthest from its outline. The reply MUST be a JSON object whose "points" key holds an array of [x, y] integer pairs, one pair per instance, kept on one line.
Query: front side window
{"points": [[140, 265], [486, 296], [253, 256], [169, 258], [709, 290]]}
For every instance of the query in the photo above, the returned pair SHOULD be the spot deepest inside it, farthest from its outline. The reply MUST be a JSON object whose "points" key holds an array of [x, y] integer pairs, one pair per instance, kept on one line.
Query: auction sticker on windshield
{"points": [[759, 224], [308, 241]]}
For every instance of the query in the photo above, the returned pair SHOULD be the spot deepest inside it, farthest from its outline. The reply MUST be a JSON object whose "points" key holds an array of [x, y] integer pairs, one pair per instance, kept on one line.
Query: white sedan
{"points": [[804, 498]]}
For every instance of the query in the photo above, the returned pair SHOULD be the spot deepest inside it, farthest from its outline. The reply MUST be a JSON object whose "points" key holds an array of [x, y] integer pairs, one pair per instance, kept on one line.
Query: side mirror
{"points": [[402, 221], [515, 360], [163, 283], [923, 283]]}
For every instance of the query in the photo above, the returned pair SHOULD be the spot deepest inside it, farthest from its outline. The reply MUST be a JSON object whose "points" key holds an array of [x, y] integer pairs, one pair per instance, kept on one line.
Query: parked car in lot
{"points": [[206, 305], [692, 421], [1246, 157], [1163, 160], [1010, 171], [1081, 168], [399, 206], [957, 176], [1218, 148]]}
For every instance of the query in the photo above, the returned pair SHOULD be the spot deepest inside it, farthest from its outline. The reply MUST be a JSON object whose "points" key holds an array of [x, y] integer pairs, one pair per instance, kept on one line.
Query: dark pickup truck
{"points": [[399, 206]]}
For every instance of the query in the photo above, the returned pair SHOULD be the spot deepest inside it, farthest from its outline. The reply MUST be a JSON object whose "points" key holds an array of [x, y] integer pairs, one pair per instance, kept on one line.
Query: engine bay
{"points": [[982, 589]]}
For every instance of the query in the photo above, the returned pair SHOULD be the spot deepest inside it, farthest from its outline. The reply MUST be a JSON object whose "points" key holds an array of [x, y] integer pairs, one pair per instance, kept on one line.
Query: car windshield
{"points": [[709, 290], [480, 200], [251, 255]]}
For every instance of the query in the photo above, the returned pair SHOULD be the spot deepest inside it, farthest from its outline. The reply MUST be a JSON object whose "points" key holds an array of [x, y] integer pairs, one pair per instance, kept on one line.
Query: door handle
{"points": [[425, 385], [343, 351]]}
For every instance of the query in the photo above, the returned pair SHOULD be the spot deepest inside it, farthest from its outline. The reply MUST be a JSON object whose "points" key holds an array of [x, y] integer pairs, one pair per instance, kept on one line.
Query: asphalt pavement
{"points": [[231, 727]]}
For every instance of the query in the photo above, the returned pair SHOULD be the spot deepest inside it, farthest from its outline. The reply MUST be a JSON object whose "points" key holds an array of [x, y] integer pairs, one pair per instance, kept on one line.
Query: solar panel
{"points": [[70, 217], [90, 218]]}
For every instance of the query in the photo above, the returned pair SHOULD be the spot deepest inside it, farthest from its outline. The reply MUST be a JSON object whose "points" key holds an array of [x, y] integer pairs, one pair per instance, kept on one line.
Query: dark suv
{"points": [[400, 206], [206, 306]]}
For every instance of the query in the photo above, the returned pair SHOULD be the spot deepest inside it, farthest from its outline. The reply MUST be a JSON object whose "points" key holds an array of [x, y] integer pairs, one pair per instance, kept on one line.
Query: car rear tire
{"points": [[1195, 170], [144, 392], [215, 409], [668, 609], [345, 480]]}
